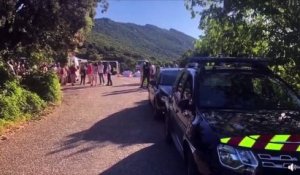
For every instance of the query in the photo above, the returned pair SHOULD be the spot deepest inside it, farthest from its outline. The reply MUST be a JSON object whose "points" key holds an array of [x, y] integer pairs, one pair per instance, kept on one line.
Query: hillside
{"points": [[128, 42]]}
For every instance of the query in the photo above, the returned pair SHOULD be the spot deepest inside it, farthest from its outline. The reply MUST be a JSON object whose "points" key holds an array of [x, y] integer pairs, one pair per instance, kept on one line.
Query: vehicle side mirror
{"points": [[184, 104]]}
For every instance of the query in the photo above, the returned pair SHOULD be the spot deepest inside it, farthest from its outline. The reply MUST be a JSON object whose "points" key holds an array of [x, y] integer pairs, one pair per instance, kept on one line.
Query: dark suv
{"points": [[230, 116], [160, 89]]}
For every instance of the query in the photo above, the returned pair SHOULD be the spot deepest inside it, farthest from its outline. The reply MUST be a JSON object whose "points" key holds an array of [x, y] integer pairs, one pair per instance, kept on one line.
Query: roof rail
{"points": [[228, 59], [199, 62]]}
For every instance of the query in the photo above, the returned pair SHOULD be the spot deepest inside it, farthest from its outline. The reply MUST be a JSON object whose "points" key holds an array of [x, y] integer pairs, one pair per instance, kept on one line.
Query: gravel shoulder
{"points": [[96, 130]]}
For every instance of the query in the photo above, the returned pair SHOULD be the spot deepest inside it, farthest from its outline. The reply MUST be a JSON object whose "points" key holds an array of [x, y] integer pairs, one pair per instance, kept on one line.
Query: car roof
{"points": [[191, 71], [229, 63], [170, 69], [228, 59]]}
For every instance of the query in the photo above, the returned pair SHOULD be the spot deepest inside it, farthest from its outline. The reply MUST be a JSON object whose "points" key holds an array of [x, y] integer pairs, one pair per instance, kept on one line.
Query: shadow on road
{"points": [[76, 87], [126, 91], [127, 127], [159, 159], [128, 85]]}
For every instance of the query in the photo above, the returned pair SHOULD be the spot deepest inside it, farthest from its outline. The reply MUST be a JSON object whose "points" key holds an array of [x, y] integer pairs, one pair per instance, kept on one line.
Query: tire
{"points": [[168, 137], [191, 167]]}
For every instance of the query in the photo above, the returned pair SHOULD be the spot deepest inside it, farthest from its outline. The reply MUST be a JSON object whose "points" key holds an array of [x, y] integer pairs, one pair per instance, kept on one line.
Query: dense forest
{"points": [[127, 42]]}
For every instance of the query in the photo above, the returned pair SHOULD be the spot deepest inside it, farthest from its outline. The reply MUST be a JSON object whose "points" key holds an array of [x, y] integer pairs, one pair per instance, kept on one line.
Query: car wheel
{"points": [[191, 165], [168, 136]]}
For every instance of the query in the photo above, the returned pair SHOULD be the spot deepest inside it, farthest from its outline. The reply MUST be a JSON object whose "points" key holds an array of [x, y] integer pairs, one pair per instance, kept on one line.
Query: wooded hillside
{"points": [[128, 42]]}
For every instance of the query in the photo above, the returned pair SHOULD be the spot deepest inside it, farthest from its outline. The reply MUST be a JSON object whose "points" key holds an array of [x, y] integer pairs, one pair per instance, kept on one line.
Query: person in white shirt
{"points": [[11, 67], [101, 72], [152, 72]]}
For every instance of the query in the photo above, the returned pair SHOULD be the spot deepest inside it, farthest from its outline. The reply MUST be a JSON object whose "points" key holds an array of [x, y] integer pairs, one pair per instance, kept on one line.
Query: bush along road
{"points": [[24, 99]]}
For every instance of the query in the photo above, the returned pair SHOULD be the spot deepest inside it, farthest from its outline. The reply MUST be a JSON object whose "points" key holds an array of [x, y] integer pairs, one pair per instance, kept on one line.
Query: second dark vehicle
{"points": [[160, 88]]}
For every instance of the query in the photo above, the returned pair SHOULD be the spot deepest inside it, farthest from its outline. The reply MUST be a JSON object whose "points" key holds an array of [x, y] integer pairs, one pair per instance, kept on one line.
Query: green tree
{"points": [[51, 26], [253, 27]]}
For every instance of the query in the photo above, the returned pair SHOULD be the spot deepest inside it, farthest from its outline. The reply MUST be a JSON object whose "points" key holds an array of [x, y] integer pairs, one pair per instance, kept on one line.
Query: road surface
{"points": [[97, 130]]}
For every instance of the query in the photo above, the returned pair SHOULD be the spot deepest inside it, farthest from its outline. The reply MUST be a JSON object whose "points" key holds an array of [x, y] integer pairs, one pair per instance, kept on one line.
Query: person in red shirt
{"points": [[90, 73]]}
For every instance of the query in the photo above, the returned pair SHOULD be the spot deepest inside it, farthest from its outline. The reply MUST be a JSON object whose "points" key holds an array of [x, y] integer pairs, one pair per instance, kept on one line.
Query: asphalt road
{"points": [[97, 130]]}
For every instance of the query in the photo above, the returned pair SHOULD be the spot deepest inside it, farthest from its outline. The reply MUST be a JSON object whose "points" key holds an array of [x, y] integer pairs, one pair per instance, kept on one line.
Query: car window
{"points": [[188, 89], [245, 91], [181, 82], [168, 77], [179, 85], [178, 78]]}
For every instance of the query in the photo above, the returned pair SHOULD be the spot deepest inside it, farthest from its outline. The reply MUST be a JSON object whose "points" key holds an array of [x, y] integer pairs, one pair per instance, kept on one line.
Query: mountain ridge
{"points": [[145, 25], [128, 42]]}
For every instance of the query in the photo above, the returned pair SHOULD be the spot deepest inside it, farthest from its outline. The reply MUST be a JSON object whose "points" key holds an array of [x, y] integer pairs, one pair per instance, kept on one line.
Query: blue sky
{"points": [[162, 13]]}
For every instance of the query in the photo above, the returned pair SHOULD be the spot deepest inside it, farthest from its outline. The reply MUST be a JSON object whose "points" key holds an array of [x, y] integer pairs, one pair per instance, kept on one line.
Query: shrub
{"points": [[11, 100], [9, 107], [46, 85], [16, 102], [33, 103]]}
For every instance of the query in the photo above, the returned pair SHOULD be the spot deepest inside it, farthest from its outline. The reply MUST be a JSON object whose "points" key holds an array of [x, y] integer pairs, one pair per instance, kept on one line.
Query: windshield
{"points": [[245, 91], [167, 78]]}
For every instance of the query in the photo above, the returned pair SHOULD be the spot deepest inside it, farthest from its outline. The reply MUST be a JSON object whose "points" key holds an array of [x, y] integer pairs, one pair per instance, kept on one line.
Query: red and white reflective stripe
{"points": [[283, 142]]}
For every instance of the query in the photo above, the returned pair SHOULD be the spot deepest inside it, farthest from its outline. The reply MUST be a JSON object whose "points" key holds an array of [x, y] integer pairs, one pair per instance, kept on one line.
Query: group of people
{"points": [[94, 71], [148, 73], [18, 68], [63, 72], [91, 71], [68, 74], [21, 67]]}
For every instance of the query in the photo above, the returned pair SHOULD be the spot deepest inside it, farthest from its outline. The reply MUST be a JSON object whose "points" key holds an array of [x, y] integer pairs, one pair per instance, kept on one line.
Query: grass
{"points": [[9, 126]]}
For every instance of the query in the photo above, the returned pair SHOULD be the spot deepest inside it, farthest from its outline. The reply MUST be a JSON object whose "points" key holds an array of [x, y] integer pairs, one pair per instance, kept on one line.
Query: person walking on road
{"points": [[146, 74], [109, 72], [152, 72], [64, 75], [90, 73], [95, 74], [73, 74], [101, 72], [83, 70]]}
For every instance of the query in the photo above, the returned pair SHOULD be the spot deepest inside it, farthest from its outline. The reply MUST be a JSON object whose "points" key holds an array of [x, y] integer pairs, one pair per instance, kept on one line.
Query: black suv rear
{"points": [[230, 116]]}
